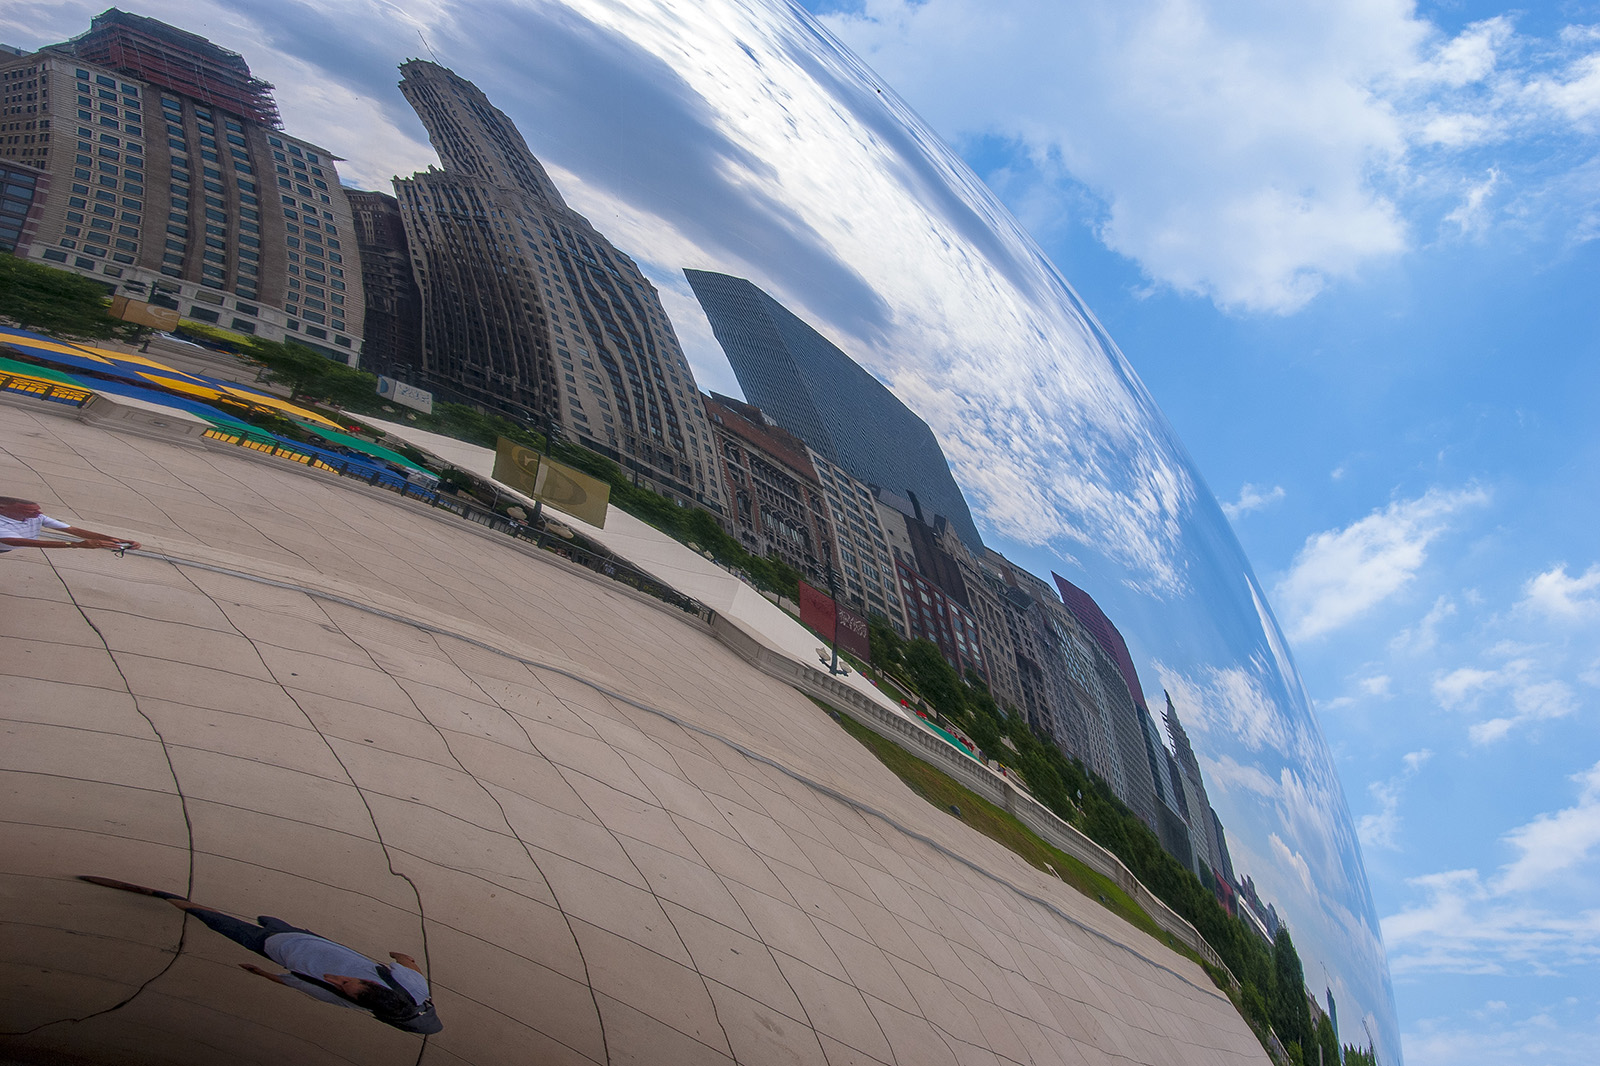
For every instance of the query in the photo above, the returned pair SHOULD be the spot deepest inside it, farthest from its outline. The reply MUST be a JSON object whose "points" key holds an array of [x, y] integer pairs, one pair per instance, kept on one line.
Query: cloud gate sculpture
{"points": [[532, 814]]}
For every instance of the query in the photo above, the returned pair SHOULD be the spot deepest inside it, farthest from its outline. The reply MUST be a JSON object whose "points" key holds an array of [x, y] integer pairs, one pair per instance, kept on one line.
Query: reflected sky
{"points": [[736, 137]]}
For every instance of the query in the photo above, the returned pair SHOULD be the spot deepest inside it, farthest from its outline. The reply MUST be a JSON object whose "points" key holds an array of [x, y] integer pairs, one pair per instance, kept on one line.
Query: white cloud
{"points": [[1555, 594], [1375, 686], [1551, 1035], [1232, 146], [1530, 697], [1381, 829], [1424, 636], [1471, 215], [1554, 843], [1227, 773], [1342, 573], [1574, 92], [1465, 927], [1231, 702], [1240, 154], [1466, 924], [1469, 57], [1250, 499], [1456, 687], [1290, 859]]}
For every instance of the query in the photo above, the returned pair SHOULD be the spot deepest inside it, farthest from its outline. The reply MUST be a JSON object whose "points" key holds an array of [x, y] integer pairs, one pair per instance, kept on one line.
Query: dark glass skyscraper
{"points": [[825, 398]]}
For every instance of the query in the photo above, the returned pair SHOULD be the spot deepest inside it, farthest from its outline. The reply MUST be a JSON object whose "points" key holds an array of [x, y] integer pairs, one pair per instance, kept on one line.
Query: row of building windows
{"points": [[103, 229]]}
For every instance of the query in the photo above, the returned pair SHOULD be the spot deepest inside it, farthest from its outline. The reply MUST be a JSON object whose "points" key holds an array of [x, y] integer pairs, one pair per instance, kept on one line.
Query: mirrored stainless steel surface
{"points": [[731, 136]]}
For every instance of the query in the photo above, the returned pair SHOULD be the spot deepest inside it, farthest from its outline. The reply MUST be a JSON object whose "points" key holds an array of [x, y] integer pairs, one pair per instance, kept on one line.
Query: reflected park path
{"points": [[603, 836]]}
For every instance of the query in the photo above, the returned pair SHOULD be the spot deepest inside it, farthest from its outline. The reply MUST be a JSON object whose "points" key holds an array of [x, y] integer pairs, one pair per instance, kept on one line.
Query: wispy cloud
{"points": [[1378, 685], [1563, 1033], [1471, 216], [1519, 689], [1424, 636], [1559, 596], [1342, 573], [1349, 127], [1251, 498], [1471, 925], [1554, 843], [1381, 829]]}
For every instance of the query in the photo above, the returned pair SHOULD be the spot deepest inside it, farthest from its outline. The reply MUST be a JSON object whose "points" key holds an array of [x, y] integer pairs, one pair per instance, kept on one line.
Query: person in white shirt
{"points": [[323, 969], [21, 521]]}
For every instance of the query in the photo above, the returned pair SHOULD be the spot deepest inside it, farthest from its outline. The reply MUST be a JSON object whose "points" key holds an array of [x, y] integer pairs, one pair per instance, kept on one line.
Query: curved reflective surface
{"points": [[729, 137]]}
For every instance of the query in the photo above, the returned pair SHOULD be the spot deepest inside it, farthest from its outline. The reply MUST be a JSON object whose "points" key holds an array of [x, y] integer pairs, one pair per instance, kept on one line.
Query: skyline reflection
{"points": [[737, 137]]}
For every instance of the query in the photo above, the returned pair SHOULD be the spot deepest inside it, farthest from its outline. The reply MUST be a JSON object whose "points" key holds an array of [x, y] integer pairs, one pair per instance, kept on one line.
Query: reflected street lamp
{"points": [[833, 593]]}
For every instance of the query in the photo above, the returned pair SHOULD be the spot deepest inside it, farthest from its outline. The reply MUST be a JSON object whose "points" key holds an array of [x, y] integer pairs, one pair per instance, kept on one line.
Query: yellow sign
{"points": [[145, 314], [556, 484]]}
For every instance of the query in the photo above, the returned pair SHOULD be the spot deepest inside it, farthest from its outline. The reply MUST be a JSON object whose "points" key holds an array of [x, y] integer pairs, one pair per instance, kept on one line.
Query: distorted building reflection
{"points": [[825, 398], [522, 298], [383, 722]]}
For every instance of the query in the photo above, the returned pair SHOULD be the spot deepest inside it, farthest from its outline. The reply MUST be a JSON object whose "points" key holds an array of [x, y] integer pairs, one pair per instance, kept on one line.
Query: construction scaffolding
{"points": [[175, 59]]}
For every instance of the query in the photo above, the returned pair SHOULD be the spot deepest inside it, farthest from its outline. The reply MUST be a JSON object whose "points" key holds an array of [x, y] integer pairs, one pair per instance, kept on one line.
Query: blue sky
{"points": [[1348, 248], [1394, 388]]}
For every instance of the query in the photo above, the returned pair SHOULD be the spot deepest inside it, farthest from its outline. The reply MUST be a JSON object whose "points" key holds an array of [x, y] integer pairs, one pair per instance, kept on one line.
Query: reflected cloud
{"points": [[739, 137]]}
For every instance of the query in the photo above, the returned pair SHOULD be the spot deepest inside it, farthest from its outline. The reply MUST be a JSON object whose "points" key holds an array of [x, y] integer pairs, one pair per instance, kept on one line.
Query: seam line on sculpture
{"points": [[188, 826], [359, 793], [616, 838], [388, 859], [767, 865], [526, 850], [673, 817], [815, 1032], [735, 745]]}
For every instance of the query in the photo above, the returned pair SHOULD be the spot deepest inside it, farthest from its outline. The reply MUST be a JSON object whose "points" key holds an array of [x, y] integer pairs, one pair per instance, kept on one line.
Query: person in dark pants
{"points": [[321, 968]]}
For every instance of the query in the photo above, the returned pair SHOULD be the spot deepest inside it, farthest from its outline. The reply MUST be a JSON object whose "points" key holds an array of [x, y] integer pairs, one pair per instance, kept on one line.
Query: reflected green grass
{"points": [[943, 791]]}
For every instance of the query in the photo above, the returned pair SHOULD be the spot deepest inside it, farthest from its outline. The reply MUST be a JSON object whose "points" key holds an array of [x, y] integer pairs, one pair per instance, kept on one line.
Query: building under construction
{"points": [[178, 60]]}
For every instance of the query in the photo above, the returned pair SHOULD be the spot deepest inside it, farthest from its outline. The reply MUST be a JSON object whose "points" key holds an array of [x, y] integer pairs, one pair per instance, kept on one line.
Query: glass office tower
{"points": [[825, 398]]}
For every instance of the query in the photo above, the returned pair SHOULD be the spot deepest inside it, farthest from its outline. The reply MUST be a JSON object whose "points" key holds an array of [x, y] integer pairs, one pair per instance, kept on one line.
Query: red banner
{"points": [[816, 611]]}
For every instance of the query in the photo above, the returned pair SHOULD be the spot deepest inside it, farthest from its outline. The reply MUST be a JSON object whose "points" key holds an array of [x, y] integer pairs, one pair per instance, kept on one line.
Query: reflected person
{"points": [[323, 969], [22, 520]]}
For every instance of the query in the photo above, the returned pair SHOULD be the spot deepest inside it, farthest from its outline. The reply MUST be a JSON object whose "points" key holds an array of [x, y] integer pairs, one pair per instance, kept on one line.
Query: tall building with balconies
{"points": [[529, 311], [867, 579], [172, 180], [825, 398]]}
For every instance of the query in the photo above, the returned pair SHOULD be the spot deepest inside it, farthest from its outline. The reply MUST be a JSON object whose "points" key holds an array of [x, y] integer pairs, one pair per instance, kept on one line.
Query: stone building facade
{"points": [[867, 580], [172, 181], [529, 311], [775, 499]]}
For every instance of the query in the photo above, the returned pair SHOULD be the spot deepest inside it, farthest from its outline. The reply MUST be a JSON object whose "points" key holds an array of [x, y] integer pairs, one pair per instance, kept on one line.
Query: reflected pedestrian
{"points": [[21, 521], [323, 969]]}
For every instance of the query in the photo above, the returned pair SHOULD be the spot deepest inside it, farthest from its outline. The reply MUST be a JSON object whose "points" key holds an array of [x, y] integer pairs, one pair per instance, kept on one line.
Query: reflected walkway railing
{"points": [[44, 389]]}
